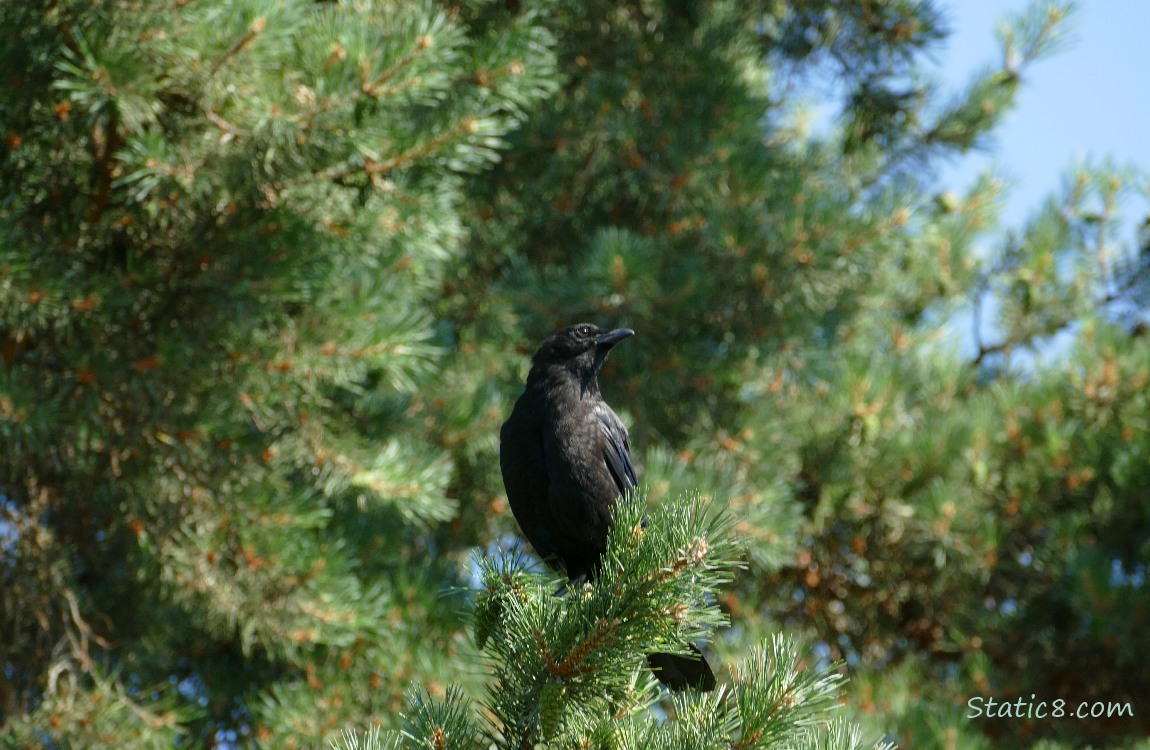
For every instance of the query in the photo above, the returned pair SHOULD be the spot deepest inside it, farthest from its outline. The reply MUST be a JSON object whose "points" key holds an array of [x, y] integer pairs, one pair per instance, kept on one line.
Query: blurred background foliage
{"points": [[271, 272]]}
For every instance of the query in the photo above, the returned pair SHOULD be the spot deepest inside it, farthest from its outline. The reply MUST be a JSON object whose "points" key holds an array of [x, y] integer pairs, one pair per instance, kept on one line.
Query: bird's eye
{"points": [[584, 331]]}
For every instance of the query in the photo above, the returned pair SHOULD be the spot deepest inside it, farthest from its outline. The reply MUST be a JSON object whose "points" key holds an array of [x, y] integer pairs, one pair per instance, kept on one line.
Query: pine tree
{"points": [[270, 272], [851, 352], [222, 230]]}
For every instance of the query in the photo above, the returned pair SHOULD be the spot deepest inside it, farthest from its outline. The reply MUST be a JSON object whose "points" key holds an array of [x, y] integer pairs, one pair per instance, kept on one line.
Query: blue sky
{"points": [[1090, 100]]}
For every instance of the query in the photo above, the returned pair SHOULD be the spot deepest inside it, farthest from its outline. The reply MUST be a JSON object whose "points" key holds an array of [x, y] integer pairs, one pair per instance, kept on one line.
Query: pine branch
{"points": [[378, 87], [254, 30], [567, 669]]}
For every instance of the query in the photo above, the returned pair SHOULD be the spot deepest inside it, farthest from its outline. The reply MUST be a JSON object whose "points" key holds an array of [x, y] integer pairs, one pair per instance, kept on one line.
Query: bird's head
{"points": [[581, 348]]}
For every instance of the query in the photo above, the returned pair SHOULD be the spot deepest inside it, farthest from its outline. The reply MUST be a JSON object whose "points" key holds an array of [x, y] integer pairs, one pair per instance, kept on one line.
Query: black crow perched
{"points": [[566, 462]]}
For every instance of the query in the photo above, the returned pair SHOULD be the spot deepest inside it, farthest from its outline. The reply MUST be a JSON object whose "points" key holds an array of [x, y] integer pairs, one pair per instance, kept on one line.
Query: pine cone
{"points": [[551, 702], [486, 615]]}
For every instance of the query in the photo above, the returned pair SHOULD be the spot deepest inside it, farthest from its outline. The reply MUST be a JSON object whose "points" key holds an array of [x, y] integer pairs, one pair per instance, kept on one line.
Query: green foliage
{"points": [[222, 225], [805, 304], [568, 670], [270, 272]]}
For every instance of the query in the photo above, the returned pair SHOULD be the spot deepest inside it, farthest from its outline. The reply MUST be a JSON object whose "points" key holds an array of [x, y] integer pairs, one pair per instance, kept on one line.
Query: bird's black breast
{"points": [[524, 469], [565, 460]]}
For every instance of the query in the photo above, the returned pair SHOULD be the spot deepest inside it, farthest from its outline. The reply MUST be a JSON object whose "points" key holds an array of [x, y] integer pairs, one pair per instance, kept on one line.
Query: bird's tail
{"points": [[683, 672]]}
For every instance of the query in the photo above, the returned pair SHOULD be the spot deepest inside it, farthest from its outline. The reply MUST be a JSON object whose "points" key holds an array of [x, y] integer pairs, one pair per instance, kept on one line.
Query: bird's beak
{"points": [[609, 339]]}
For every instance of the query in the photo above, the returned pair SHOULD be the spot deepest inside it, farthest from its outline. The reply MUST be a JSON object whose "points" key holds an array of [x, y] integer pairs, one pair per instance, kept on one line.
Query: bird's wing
{"points": [[616, 449]]}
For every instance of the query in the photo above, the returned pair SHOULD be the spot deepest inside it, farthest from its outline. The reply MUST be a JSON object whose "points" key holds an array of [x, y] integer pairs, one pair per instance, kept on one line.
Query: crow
{"points": [[566, 461]]}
